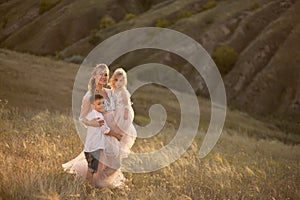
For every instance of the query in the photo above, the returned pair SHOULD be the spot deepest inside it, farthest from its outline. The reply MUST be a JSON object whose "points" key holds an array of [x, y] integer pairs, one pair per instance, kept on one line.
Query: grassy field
{"points": [[33, 147], [252, 159]]}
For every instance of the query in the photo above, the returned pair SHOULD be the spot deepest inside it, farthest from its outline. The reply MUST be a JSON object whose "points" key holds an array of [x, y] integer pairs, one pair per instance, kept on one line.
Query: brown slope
{"points": [[149, 18], [258, 54], [66, 23], [276, 89], [16, 14], [36, 83], [255, 22]]}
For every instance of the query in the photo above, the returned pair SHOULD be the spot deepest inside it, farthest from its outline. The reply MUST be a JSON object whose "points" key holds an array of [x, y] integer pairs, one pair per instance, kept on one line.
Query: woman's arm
{"points": [[85, 109], [116, 135]]}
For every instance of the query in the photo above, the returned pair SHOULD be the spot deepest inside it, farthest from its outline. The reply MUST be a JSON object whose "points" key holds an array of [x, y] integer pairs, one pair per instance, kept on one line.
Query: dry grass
{"points": [[33, 149], [35, 142]]}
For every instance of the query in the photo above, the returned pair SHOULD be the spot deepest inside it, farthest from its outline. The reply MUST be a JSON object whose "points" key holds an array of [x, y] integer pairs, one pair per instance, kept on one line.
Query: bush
{"points": [[4, 22], [163, 23], [129, 16], [255, 6], [77, 59], [58, 56], [46, 5], [95, 39], [225, 58], [210, 5], [107, 22], [186, 14]]}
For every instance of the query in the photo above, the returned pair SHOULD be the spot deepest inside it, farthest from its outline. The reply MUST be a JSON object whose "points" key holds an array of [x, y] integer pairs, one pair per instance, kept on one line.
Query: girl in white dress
{"points": [[122, 120]]}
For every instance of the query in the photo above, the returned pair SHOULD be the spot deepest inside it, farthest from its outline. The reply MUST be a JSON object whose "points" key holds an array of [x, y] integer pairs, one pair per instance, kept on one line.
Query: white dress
{"points": [[121, 124]]}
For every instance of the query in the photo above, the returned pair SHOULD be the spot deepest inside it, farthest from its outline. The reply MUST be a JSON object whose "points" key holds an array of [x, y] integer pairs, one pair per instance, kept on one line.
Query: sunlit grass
{"points": [[33, 149]]}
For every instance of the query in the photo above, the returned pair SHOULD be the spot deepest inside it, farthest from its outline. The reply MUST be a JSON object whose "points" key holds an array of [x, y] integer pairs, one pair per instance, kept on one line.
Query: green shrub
{"points": [[163, 23], [106, 22], [186, 14], [210, 5], [58, 56], [77, 59], [46, 5], [225, 58], [95, 39], [129, 16], [255, 6]]}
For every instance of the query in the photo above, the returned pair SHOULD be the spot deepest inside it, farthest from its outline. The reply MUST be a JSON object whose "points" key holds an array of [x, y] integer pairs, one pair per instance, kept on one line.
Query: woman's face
{"points": [[101, 77]]}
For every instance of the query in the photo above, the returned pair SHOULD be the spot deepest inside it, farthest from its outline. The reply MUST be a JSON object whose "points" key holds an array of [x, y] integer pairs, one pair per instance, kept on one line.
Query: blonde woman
{"points": [[109, 174]]}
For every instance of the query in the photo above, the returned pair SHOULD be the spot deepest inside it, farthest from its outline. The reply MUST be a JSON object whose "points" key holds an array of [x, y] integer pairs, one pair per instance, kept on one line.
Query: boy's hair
{"points": [[95, 97]]}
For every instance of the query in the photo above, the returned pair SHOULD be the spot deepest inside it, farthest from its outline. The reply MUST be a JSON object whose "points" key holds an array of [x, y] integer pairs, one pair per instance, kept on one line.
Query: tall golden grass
{"points": [[33, 147]]}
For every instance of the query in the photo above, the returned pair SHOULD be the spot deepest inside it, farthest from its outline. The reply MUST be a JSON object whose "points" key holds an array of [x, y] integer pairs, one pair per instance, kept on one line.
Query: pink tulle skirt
{"points": [[117, 123]]}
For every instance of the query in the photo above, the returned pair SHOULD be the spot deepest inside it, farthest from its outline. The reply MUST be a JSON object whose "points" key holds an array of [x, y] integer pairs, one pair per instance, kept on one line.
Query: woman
{"points": [[110, 175]]}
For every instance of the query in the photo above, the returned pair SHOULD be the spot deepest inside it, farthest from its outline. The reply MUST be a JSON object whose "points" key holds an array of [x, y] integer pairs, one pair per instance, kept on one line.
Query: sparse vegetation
{"points": [[95, 39], [225, 58], [106, 22], [129, 16], [77, 59], [46, 5], [209, 5], [255, 6], [163, 23], [183, 15], [209, 21], [4, 22], [186, 14], [146, 4], [34, 146], [58, 56]]}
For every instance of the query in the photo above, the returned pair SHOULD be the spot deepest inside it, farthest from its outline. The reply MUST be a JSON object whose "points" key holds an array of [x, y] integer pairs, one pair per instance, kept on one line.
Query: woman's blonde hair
{"points": [[99, 68], [119, 72]]}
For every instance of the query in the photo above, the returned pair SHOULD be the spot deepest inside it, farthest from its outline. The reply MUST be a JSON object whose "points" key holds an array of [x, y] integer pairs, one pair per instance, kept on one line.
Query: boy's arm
{"points": [[90, 120]]}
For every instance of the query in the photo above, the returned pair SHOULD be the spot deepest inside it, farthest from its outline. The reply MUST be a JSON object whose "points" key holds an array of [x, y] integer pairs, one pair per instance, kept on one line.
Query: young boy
{"points": [[95, 139]]}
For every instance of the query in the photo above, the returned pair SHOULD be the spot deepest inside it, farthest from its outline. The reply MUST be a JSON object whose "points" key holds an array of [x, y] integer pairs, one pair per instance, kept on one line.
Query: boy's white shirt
{"points": [[95, 138]]}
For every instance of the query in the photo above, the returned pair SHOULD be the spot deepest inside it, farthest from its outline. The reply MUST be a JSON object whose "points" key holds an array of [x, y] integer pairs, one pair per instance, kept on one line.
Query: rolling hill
{"points": [[252, 159], [263, 79]]}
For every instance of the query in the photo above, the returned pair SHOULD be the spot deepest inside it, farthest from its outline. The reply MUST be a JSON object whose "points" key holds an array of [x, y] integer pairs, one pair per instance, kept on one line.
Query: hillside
{"points": [[263, 34], [36, 83], [252, 159], [33, 84]]}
